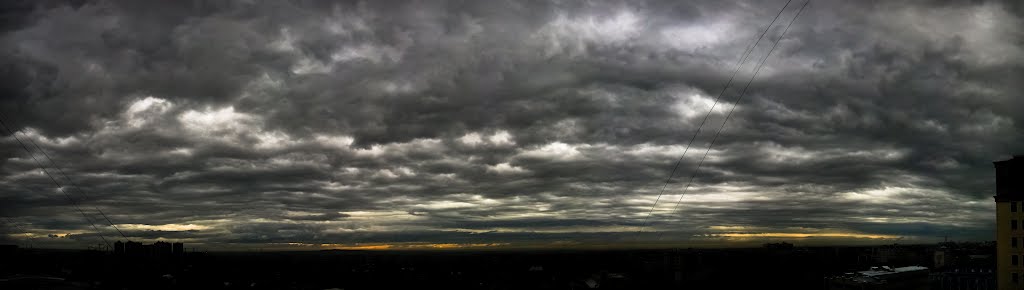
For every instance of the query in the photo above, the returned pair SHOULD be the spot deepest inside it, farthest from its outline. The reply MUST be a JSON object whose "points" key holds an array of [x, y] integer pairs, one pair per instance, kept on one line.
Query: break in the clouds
{"points": [[371, 124]]}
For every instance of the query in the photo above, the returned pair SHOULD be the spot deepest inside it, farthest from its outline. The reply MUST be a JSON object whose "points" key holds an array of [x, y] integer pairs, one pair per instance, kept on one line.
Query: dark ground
{"points": [[759, 268]]}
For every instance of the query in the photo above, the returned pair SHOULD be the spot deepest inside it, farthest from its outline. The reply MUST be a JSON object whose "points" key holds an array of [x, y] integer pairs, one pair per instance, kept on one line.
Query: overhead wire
{"points": [[70, 181], [735, 104], [54, 180], [75, 186], [743, 58], [8, 221]]}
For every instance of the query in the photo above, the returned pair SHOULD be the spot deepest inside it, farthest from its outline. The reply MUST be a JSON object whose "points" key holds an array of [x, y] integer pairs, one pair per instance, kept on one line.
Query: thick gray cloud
{"points": [[515, 123]]}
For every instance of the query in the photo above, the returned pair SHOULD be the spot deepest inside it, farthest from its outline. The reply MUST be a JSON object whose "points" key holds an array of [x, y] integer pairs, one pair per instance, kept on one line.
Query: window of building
{"points": [[1013, 242], [1014, 260], [1013, 206], [1013, 224], [1015, 278]]}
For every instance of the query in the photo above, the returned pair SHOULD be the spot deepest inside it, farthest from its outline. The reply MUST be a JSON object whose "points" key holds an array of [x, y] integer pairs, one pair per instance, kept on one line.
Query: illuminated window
{"points": [[1013, 206], [1014, 260]]}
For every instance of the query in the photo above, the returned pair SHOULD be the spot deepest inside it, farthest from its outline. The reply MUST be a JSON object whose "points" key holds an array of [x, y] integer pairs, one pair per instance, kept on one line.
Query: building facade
{"points": [[1009, 222]]}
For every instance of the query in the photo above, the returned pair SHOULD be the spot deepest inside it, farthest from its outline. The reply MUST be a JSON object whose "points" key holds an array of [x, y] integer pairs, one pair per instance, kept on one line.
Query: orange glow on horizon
{"points": [[806, 235], [407, 246], [359, 247], [732, 237]]}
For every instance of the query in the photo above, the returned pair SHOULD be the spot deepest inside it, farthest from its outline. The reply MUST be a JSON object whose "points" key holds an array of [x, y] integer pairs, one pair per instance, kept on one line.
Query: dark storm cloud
{"points": [[234, 123]]}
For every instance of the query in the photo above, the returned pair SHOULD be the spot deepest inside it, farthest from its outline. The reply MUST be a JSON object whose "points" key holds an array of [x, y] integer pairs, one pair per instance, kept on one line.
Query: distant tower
{"points": [[179, 249], [1009, 222], [119, 248], [162, 249], [132, 248]]}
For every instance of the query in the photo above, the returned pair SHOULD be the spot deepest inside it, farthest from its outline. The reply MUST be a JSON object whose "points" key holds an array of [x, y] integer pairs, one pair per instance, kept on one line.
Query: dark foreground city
{"points": [[774, 266]]}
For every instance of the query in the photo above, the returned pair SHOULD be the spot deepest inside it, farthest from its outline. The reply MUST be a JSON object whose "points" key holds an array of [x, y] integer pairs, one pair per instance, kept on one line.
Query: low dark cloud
{"points": [[235, 123]]}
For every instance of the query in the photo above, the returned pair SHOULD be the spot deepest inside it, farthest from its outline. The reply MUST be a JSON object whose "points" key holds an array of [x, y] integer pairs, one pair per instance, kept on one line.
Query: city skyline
{"points": [[503, 125]]}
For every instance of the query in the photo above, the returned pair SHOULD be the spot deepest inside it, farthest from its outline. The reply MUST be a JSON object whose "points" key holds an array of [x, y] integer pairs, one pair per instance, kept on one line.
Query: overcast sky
{"points": [[318, 124]]}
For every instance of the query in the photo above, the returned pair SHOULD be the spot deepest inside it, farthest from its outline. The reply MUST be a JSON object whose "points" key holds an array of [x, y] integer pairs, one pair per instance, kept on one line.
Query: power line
{"points": [[743, 58], [70, 181], [738, 99], [59, 187], [8, 221], [75, 185]]}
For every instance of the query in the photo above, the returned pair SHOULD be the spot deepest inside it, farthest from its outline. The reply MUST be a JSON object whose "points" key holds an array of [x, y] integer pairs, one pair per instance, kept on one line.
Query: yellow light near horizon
{"points": [[361, 247], [806, 235], [164, 227], [407, 246]]}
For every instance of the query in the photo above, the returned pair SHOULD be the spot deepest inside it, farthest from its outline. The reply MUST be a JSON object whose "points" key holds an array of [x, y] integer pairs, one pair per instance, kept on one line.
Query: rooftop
{"points": [[886, 270], [1014, 159]]}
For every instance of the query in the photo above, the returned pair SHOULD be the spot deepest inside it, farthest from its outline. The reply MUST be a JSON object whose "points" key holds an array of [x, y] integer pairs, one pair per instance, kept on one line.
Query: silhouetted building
{"points": [[158, 249], [133, 248], [161, 249], [911, 277], [964, 279], [782, 245], [939, 258], [895, 254], [979, 257], [1009, 235]]}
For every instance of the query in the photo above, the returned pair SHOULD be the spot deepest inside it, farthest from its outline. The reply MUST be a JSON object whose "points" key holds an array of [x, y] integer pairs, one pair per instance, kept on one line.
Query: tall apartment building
{"points": [[1010, 223]]}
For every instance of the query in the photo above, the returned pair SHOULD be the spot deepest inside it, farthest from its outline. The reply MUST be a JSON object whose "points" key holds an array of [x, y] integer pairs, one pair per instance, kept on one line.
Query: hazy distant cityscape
{"points": [[949, 265]]}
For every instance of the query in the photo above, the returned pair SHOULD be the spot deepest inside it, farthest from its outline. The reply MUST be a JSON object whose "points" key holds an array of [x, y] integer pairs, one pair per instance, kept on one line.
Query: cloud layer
{"points": [[517, 123]]}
